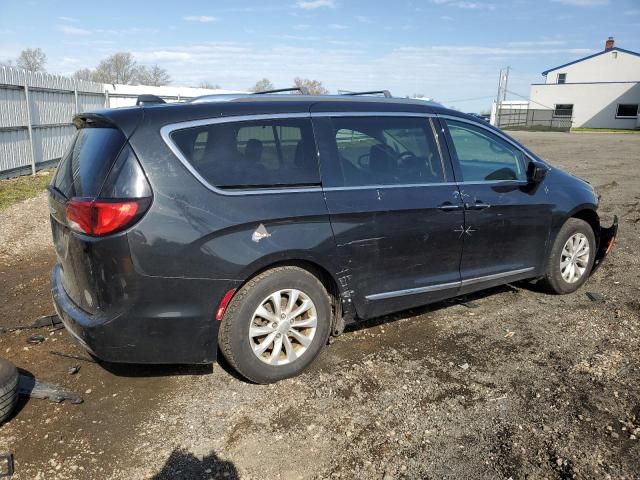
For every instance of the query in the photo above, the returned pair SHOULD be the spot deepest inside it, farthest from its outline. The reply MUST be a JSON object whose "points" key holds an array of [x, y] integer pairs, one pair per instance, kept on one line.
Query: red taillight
{"points": [[224, 303], [99, 217]]}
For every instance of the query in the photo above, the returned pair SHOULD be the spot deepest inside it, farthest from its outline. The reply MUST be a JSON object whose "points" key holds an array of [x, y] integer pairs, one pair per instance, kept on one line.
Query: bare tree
{"points": [[84, 74], [118, 68], [262, 85], [209, 85], [33, 59], [314, 87], [154, 76]]}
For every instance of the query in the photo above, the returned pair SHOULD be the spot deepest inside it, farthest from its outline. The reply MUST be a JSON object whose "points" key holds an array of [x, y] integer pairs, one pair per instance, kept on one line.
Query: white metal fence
{"points": [[36, 112], [35, 117]]}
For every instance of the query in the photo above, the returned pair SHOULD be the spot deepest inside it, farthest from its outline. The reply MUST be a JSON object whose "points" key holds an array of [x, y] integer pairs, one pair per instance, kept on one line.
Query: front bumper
{"points": [[606, 241], [144, 333]]}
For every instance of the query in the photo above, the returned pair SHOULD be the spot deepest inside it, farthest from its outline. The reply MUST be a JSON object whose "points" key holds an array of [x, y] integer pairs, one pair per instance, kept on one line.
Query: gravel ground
{"points": [[515, 383]]}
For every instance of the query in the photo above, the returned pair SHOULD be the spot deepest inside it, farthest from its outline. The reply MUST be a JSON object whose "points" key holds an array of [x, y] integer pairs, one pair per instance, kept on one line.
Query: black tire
{"points": [[233, 337], [8, 388], [553, 281]]}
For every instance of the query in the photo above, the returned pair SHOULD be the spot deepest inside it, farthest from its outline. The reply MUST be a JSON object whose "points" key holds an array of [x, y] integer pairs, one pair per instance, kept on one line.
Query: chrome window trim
{"points": [[496, 133], [445, 286], [382, 187], [372, 114], [167, 130]]}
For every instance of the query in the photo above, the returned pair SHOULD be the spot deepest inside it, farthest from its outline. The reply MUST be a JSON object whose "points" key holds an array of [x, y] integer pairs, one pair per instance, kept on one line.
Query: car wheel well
{"points": [[591, 217], [319, 272]]}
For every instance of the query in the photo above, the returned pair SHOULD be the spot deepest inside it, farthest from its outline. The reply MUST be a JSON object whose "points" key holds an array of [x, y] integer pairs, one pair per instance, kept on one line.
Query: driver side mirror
{"points": [[536, 171]]}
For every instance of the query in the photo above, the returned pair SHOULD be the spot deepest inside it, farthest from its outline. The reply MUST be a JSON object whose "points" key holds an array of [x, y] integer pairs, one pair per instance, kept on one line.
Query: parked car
{"points": [[260, 224]]}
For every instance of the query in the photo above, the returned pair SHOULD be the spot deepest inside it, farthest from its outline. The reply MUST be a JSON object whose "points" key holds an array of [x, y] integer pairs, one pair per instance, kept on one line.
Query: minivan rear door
{"points": [[394, 208]]}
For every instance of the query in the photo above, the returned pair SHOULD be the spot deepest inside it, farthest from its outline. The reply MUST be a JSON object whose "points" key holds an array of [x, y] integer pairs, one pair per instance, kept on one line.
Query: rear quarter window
{"points": [[261, 153], [85, 166]]}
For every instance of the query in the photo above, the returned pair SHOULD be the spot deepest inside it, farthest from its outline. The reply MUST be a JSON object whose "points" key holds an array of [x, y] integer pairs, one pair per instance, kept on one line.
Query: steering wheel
{"points": [[406, 154]]}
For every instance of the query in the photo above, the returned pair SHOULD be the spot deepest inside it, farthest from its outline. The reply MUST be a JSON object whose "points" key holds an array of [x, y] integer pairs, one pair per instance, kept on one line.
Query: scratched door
{"points": [[393, 207], [507, 219]]}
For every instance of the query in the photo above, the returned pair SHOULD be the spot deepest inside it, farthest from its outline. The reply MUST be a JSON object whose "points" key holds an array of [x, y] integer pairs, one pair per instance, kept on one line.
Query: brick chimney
{"points": [[609, 43]]}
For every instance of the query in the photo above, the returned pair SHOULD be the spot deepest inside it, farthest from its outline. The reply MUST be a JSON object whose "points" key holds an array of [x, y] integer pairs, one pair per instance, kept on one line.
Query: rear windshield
{"points": [[83, 169], [261, 153]]}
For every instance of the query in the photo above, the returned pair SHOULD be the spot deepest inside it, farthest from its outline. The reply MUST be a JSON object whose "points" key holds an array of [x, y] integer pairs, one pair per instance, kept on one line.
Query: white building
{"points": [[598, 91]]}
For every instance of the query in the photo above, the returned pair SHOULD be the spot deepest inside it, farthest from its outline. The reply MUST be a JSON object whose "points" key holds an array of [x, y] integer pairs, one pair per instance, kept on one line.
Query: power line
{"points": [[529, 100], [466, 99]]}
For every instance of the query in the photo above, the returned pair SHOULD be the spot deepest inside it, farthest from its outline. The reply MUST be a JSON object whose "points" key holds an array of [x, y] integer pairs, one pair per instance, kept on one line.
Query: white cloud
{"points": [[337, 26], [200, 18], [537, 43], [313, 4], [363, 19], [71, 30], [301, 27], [473, 50], [441, 72], [68, 19], [466, 5], [583, 3]]}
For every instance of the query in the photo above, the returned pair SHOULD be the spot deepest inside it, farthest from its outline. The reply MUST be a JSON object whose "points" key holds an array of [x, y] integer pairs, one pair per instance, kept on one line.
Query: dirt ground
{"points": [[515, 384]]}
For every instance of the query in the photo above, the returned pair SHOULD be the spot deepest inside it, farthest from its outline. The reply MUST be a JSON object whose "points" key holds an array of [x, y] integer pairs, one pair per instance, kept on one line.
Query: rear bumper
{"points": [[146, 332], [605, 242]]}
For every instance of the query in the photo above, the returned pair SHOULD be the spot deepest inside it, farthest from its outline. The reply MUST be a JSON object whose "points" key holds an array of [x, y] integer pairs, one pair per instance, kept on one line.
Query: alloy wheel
{"points": [[283, 326]]}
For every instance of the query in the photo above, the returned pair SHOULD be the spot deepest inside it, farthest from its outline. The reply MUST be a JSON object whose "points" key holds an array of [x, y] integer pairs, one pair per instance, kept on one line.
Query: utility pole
{"points": [[503, 80], [506, 83], [497, 116]]}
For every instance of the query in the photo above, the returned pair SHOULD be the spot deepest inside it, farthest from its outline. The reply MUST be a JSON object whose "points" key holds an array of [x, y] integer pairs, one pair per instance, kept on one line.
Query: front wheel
{"points": [[571, 258], [276, 324]]}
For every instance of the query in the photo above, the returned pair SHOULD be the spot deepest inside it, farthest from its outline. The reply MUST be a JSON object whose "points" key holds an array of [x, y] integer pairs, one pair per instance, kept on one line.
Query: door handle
{"points": [[476, 206], [448, 207]]}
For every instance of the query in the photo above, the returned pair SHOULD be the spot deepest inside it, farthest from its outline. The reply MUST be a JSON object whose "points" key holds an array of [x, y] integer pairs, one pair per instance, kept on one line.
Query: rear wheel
{"points": [[571, 258], [276, 324]]}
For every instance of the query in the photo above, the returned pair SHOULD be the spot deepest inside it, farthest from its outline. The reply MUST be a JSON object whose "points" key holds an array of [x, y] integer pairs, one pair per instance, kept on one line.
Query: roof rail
{"points": [[386, 93], [148, 100], [302, 90]]}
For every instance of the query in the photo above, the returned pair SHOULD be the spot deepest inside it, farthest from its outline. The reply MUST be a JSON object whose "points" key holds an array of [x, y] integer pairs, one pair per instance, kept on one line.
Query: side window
{"points": [[385, 151], [265, 153], [483, 156]]}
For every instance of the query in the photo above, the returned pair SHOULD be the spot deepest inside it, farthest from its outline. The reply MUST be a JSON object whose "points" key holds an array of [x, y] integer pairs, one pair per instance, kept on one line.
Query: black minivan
{"points": [[262, 223]]}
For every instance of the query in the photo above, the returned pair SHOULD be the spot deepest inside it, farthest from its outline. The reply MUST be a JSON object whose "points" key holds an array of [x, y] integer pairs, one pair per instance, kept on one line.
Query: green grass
{"points": [[15, 190], [603, 130]]}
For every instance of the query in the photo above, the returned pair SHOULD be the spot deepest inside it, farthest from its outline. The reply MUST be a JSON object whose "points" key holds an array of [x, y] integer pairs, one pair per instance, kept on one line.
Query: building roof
{"points": [[614, 49]]}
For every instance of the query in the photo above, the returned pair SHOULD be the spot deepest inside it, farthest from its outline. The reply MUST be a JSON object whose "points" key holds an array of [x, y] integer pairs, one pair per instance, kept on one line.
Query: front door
{"points": [[393, 207], [507, 219]]}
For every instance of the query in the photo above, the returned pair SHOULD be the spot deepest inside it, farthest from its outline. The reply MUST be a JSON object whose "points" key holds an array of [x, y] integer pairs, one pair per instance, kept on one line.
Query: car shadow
{"points": [[184, 465], [22, 399], [150, 370]]}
